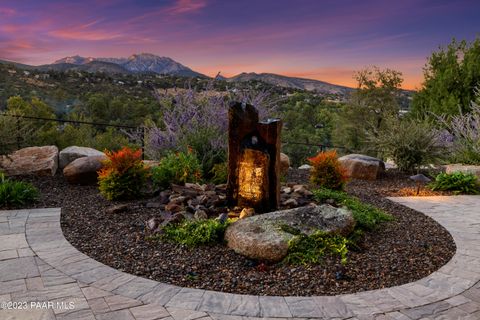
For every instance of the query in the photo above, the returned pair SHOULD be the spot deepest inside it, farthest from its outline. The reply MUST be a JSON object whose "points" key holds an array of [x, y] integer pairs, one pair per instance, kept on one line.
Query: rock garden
{"points": [[254, 226]]}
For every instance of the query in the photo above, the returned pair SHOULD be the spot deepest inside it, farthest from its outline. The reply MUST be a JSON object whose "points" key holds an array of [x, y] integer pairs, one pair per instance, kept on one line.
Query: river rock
{"points": [[41, 161], [84, 170], [305, 167], [72, 153], [362, 167], [262, 237]]}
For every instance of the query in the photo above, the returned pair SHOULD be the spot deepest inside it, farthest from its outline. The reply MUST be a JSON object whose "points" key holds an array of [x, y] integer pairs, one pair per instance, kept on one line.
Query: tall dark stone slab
{"points": [[253, 159]]}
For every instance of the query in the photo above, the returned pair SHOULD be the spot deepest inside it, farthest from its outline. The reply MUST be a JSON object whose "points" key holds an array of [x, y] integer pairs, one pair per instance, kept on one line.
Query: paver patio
{"points": [[37, 264]]}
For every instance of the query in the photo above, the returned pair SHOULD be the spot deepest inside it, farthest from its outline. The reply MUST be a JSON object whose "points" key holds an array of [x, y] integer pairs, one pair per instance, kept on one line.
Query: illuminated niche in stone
{"points": [[253, 159]]}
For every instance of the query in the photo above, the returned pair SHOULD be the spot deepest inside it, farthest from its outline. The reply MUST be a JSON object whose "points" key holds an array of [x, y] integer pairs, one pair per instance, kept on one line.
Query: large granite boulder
{"points": [[284, 163], [84, 170], [362, 167], [266, 236], [42, 161], [69, 154], [451, 168]]}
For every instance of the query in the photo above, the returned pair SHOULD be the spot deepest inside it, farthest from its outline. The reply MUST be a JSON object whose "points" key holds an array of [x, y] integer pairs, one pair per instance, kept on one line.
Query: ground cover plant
{"points": [[458, 182], [193, 233], [367, 217], [123, 175], [16, 193], [310, 249]]}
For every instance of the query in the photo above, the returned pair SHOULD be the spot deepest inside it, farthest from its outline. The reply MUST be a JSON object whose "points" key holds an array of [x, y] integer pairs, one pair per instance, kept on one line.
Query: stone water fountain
{"points": [[253, 159]]}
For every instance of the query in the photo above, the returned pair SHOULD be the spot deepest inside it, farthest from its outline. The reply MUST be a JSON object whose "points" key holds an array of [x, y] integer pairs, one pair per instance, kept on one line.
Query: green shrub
{"points": [[177, 168], [303, 249], [219, 173], [194, 233], [327, 172], [458, 182], [366, 216], [16, 193], [123, 175], [410, 143]]}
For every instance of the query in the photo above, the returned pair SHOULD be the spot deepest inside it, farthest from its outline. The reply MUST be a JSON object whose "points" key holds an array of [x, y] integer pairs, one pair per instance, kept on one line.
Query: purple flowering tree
{"points": [[464, 134], [198, 120]]}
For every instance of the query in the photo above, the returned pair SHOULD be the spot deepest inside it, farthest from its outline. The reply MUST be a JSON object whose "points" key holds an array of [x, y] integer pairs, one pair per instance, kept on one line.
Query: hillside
{"points": [[92, 66], [292, 82]]}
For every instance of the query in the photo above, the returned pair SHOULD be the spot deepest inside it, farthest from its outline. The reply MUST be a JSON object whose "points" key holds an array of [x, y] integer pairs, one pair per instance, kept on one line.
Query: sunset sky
{"points": [[318, 39]]}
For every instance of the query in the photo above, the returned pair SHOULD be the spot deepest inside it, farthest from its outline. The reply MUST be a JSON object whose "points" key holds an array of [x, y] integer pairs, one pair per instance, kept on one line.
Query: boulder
{"points": [[42, 161], [362, 167], [265, 237], [284, 163], [451, 168], [72, 153], [83, 170]]}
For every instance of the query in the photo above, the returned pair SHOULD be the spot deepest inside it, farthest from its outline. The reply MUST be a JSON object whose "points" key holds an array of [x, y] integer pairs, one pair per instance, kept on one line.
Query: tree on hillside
{"points": [[451, 76], [376, 99], [45, 132], [307, 123]]}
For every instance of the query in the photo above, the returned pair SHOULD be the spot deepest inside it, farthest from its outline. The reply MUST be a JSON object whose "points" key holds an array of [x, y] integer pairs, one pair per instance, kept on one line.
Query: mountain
{"points": [[136, 63], [292, 82], [149, 63], [74, 60]]}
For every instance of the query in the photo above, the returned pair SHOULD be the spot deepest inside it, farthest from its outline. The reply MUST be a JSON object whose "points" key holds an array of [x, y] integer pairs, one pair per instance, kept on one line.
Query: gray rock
{"points": [[291, 203], [286, 190], [119, 208], [152, 223], [362, 167], [200, 215], [262, 236], [178, 199], [302, 189], [72, 153]]}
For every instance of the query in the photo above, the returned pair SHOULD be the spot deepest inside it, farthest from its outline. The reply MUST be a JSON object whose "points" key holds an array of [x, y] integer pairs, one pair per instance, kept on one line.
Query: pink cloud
{"points": [[85, 32], [186, 6], [8, 12]]}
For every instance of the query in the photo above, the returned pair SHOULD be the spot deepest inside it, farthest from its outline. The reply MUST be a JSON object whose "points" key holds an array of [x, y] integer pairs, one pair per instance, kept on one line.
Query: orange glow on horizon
{"points": [[336, 76]]}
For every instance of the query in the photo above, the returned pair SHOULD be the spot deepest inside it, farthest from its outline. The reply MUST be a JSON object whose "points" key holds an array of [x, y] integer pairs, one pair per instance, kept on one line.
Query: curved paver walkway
{"points": [[37, 264]]}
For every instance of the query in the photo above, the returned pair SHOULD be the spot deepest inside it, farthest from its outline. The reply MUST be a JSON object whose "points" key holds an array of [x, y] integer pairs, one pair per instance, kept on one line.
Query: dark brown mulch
{"points": [[401, 251]]}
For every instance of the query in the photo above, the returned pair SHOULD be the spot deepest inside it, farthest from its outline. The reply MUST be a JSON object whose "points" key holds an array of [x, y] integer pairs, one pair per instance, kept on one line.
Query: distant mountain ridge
{"points": [[150, 63], [136, 63], [292, 82]]}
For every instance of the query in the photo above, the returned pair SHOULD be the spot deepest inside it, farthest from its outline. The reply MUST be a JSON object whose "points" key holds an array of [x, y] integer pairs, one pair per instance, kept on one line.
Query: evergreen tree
{"points": [[451, 76]]}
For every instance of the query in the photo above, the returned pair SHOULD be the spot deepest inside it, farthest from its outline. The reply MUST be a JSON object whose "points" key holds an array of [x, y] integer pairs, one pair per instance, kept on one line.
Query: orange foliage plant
{"points": [[123, 174], [327, 171]]}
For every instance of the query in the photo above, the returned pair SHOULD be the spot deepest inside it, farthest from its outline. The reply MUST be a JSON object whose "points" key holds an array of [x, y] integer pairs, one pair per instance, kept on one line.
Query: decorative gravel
{"points": [[404, 250]]}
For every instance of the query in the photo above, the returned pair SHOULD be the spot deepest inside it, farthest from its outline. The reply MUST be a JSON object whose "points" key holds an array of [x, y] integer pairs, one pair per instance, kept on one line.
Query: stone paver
{"points": [[38, 265]]}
